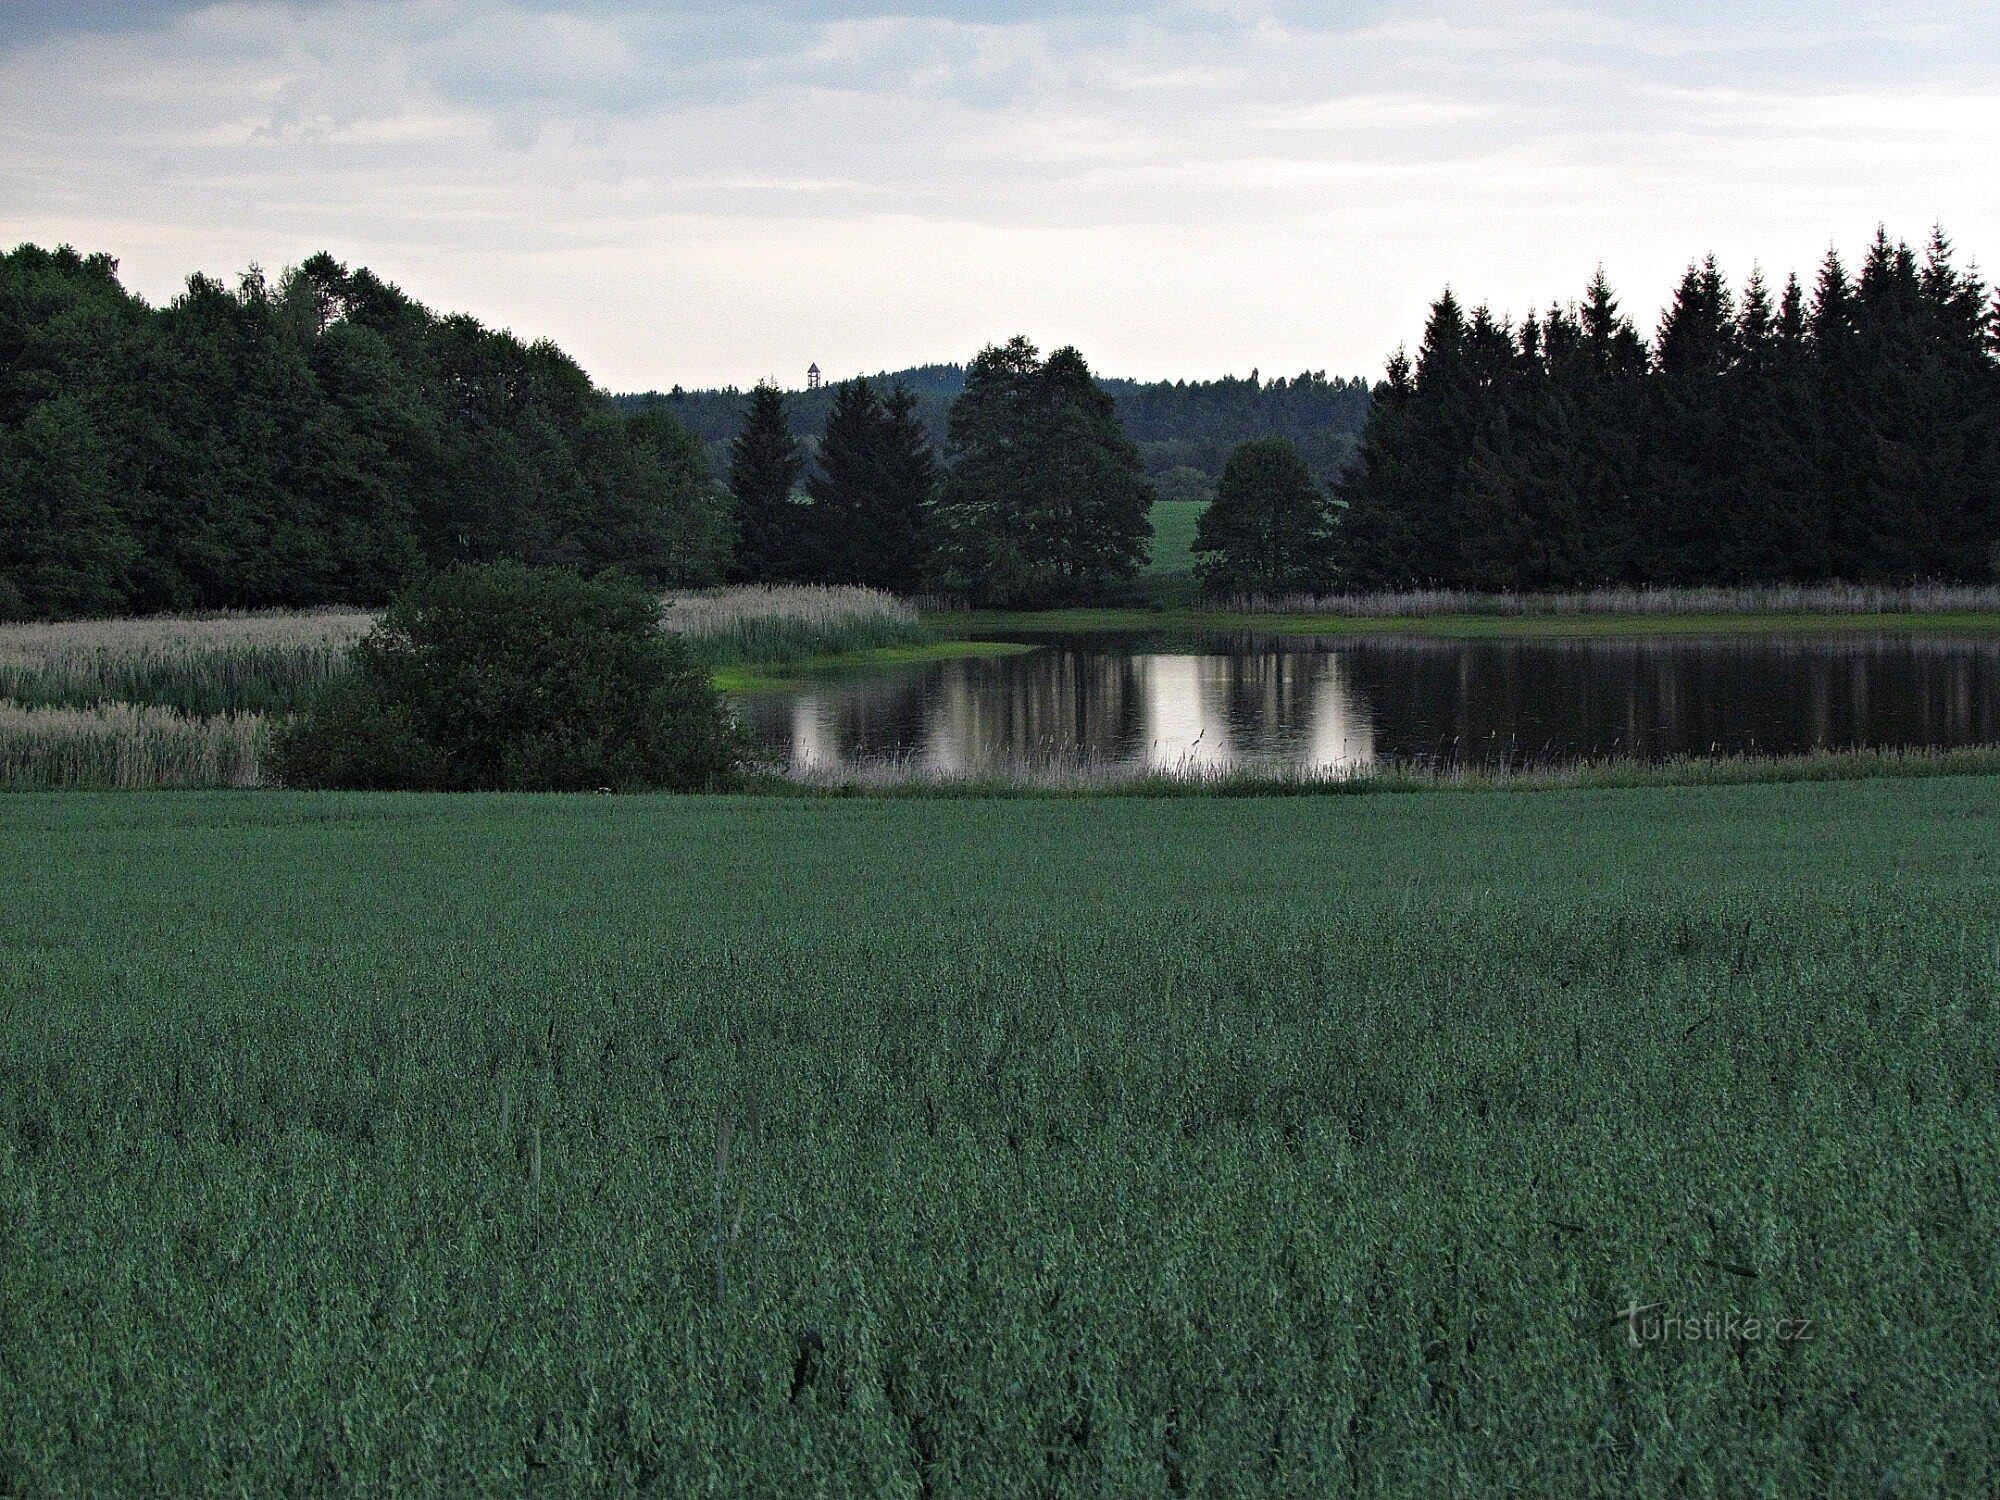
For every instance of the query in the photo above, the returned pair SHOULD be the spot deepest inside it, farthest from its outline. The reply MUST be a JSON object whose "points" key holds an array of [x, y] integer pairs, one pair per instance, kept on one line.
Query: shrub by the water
{"points": [[510, 678]]}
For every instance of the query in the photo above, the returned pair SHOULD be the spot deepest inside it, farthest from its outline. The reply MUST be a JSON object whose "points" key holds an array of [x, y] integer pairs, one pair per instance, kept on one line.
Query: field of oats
{"points": [[1582, 1142]]}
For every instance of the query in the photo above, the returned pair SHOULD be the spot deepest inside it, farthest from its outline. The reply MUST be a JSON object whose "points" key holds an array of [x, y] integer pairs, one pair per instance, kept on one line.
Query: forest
{"points": [[321, 438], [1851, 432], [317, 439]]}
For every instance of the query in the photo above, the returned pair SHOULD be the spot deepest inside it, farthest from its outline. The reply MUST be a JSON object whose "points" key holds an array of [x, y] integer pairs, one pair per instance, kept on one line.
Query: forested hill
{"points": [[1179, 425]]}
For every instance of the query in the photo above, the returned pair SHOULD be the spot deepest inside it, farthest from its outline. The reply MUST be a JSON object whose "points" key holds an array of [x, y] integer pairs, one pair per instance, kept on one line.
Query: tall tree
{"points": [[764, 466], [64, 547], [1269, 529], [836, 540], [676, 524], [1045, 501], [906, 481]]}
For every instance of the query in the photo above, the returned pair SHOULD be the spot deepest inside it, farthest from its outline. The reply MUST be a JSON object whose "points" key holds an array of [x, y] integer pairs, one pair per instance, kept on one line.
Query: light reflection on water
{"points": [[1216, 703]]}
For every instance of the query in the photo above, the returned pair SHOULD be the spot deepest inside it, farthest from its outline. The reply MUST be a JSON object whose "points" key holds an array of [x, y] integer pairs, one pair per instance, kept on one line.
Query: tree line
{"points": [[325, 439], [1851, 432], [322, 438], [1184, 430], [1039, 497]]}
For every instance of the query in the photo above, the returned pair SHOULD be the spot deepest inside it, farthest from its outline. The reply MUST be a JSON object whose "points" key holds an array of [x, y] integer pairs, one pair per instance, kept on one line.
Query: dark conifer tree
{"points": [[1693, 460], [1765, 535], [1371, 528], [836, 537], [764, 466], [906, 483]]}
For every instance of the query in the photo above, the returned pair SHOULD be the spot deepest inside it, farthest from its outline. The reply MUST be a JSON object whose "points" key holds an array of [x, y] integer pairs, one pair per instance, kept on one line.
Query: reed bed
{"points": [[1814, 599], [126, 747], [261, 663], [728, 627]]}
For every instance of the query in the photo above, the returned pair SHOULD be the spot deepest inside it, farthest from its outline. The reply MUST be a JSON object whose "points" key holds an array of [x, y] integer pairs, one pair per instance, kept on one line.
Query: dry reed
{"points": [[125, 746]]}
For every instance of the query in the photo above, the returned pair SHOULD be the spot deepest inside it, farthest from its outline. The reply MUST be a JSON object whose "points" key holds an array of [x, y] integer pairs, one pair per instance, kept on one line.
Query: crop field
{"points": [[1582, 1142]]}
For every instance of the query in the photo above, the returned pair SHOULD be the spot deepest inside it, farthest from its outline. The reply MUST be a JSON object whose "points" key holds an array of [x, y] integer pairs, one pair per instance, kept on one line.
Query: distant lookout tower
{"points": [[812, 377]]}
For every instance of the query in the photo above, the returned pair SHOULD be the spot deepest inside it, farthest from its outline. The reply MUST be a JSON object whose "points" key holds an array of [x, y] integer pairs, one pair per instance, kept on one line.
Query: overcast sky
{"points": [[721, 192]]}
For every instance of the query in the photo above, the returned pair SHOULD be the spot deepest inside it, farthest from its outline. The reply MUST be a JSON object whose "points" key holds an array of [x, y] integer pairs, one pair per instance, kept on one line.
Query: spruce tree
{"points": [[1693, 459], [1371, 528], [836, 537], [906, 481], [764, 465]]}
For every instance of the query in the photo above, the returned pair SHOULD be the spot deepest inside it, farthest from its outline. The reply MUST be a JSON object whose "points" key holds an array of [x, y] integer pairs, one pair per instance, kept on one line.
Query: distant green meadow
{"points": [[1583, 1142], [783, 677], [1184, 617]]}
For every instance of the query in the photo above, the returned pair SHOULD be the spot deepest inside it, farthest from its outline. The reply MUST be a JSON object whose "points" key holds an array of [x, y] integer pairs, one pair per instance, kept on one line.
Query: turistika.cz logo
{"points": [[1650, 1323]]}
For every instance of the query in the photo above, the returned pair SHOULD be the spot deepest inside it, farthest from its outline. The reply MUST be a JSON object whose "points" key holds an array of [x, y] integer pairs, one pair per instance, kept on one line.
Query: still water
{"points": [[1222, 701]]}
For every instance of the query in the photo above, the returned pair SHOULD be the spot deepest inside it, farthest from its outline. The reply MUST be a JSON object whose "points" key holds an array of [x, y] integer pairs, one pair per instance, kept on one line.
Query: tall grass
{"points": [[1820, 599], [1066, 776], [125, 746], [222, 664], [726, 627]]}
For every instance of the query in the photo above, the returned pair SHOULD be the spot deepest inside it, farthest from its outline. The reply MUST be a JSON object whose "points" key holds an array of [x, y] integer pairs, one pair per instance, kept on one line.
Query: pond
{"points": [[1130, 702]]}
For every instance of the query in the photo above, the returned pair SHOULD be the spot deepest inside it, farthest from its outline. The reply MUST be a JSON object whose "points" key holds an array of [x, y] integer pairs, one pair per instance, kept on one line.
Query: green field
{"points": [[1168, 581], [1309, 1147], [784, 677], [1172, 614], [1173, 535]]}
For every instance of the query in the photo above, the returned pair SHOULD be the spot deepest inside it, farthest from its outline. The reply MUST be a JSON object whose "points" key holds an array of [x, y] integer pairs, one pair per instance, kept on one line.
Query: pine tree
{"points": [[764, 465], [1269, 530], [1693, 459]]}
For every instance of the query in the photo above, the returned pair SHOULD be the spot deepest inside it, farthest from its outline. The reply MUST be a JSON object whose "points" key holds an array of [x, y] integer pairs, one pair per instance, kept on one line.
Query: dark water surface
{"points": [[1340, 702]]}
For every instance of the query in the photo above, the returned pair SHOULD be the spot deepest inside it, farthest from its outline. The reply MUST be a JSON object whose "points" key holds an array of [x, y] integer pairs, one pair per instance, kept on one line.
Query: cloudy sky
{"points": [[724, 191]]}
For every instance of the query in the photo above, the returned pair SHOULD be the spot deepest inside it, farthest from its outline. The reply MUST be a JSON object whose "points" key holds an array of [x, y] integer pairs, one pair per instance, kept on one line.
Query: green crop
{"points": [[1416, 1145]]}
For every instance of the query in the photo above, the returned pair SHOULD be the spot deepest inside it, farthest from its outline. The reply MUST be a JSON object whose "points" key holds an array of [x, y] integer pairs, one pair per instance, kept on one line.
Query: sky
{"points": [[724, 192]]}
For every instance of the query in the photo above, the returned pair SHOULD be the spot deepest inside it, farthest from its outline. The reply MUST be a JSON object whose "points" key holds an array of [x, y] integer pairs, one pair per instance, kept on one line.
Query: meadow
{"points": [[1631, 1143], [1168, 580]]}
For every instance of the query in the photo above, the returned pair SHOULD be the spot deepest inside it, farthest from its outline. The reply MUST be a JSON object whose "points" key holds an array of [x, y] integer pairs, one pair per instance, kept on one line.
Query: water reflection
{"points": [[1216, 702]]}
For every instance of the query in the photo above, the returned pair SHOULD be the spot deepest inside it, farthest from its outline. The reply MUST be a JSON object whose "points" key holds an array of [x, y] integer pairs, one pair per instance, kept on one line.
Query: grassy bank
{"points": [[1030, 623], [784, 677], [1413, 1145]]}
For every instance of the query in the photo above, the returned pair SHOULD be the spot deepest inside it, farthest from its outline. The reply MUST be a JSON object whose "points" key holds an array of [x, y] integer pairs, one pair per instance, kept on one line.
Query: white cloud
{"points": [[695, 196]]}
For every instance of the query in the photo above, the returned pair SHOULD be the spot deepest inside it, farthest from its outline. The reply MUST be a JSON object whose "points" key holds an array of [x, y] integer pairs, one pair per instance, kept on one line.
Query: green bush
{"points": [[510, 678]]}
